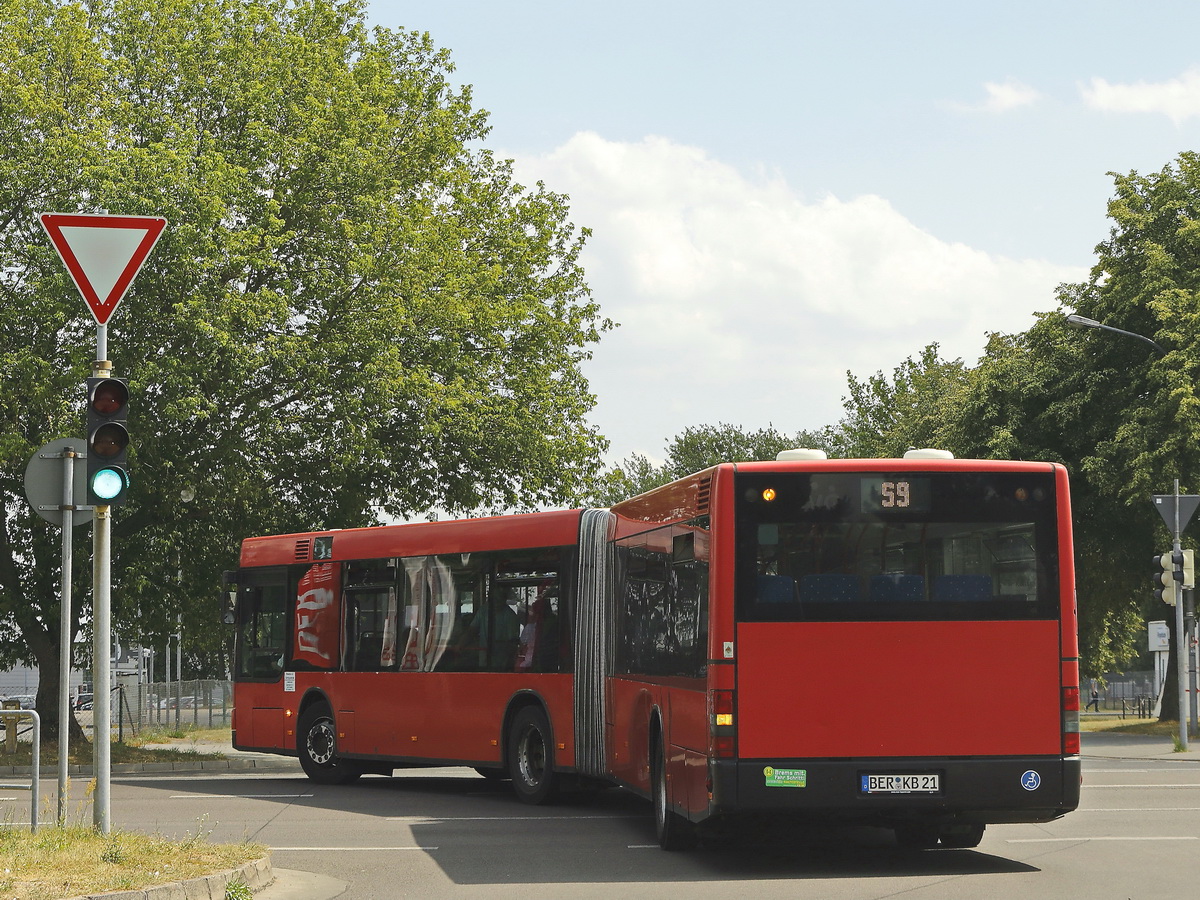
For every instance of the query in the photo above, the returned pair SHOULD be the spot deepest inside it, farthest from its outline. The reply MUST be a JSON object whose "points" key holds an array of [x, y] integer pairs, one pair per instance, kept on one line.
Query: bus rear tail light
{"points": [[1070, 726], [720, 724]]}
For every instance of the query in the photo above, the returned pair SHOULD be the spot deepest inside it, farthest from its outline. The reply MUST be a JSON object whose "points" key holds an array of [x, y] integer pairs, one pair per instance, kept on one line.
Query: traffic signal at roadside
{"points": [[1168, 572], [1189, 570], [107, 441]]}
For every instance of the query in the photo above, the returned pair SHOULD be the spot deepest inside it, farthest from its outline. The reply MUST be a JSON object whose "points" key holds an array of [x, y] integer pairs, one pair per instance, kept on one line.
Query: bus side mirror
{"points": [[229, 582]]}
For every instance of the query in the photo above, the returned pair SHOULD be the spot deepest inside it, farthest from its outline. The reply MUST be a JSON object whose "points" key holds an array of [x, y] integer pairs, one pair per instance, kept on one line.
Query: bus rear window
{"points": [[896, 546]]}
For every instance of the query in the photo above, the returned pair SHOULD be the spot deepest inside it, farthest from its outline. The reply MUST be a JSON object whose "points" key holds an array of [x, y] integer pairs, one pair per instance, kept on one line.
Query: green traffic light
{"points": [[108, 484]]}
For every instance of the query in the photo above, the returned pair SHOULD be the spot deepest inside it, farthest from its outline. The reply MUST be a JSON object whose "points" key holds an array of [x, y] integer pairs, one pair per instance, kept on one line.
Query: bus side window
{"points": [[466, 650], [538, 644], [661, 589], [504, 627]]}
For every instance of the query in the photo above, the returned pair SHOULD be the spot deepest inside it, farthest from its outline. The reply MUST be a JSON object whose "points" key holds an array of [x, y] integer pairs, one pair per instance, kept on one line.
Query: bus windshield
{"points": [[879, 546]]}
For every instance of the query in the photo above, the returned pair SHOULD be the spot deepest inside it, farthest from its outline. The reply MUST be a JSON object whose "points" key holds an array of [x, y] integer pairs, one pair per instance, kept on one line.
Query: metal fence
{"points": [[175, 704], [1129, 694]]}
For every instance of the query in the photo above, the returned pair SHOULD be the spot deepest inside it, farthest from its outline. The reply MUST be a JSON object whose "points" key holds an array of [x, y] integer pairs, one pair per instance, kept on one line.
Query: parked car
{"points": [[27, 701], [83, 701]]}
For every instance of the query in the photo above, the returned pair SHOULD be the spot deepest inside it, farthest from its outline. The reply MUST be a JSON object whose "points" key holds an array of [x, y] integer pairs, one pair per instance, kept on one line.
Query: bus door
{"points": [[261, 648]]}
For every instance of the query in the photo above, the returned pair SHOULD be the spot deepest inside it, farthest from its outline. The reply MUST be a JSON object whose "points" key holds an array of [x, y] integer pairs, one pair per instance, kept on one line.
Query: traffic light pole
{"points": [[65, 634], [102, 637], [1190, 619], [1181, 638]]}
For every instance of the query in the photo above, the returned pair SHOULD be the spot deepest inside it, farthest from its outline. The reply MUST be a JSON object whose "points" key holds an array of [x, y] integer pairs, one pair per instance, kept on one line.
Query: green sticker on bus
{"points": [[785, 777]]}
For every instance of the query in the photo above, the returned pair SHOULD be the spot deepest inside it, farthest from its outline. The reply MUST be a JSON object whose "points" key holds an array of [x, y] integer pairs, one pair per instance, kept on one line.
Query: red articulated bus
{"points": [[890, 642]]}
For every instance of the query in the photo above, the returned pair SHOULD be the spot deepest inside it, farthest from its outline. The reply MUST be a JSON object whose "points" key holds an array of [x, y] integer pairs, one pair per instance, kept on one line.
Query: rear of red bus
{"points": [[905, 648]]}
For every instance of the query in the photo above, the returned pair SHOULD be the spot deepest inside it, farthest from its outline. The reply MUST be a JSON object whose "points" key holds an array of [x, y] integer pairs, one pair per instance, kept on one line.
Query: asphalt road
{"points": [[450, 833]]}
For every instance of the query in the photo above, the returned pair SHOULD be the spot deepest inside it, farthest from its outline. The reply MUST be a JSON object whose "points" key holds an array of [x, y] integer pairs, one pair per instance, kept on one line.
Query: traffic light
{"points": [[1189, 569], [1168, 570], [107, 441]]}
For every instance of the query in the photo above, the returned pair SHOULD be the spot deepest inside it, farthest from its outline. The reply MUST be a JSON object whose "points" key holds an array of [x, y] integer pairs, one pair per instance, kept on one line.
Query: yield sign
{"points": [[103, 253]]}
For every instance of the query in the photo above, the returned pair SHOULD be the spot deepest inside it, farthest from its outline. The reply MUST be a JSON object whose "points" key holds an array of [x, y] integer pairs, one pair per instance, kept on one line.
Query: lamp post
{"points": [[1081, 322], [1182, 654]]}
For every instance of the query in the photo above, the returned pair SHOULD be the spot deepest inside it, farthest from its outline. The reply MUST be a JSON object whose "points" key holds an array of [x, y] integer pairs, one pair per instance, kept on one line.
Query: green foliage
{"points": [[354, 312], [698, 448], [915, 409], [1124, 419]]}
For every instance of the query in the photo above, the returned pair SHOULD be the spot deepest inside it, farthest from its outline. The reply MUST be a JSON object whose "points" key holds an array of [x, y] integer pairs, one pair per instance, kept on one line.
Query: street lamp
{"points": [[1082, 322], [1182, 653]]}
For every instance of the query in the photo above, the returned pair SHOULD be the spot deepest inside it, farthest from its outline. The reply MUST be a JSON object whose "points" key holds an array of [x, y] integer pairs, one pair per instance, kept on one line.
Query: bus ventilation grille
{"points": [[303, 549], [703, 495]]}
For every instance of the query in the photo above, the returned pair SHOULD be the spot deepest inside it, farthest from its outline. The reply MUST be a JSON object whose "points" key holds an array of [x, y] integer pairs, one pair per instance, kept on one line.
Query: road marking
{"points": [[1093, 787], [234, 796], [275, 849], [425, 819], [1140, 809], [1157, 771], [1084, 840]]}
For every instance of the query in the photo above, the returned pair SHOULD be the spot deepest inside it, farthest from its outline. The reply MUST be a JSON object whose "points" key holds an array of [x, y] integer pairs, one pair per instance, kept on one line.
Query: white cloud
{"points": [[740, 301], [1178, 98], [1002, 97], [1010, 95]]}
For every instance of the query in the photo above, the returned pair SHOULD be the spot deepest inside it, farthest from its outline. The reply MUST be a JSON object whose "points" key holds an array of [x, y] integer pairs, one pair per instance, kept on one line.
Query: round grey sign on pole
{"points": [[44, 481]]}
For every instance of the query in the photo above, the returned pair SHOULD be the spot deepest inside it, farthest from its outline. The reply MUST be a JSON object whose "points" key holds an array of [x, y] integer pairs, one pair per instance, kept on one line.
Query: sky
{"points": [[783, 192]]}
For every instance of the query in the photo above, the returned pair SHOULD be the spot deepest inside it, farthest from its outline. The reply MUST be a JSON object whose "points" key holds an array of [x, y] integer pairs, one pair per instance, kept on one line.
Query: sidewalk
{"points": [[235, 760], [1111, 745]]}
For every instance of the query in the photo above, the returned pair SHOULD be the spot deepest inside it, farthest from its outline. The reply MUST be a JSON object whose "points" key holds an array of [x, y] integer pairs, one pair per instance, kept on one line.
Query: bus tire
{"points": [[316, 744], [674, 832], [531, 756]]}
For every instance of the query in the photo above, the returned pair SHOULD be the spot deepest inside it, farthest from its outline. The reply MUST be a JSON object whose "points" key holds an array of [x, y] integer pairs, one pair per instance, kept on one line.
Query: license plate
{"points": [[901, 784]]}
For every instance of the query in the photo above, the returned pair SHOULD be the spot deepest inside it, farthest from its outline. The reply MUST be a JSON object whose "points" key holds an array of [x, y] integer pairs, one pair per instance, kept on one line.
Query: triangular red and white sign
{"points": [[103, 253]]}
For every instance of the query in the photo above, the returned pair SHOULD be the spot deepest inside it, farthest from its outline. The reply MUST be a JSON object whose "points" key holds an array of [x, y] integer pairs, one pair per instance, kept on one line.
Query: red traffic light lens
{"points": [[109, 397]]}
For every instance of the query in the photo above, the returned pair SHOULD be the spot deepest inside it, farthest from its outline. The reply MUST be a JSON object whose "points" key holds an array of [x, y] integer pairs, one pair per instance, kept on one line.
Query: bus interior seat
{"points": [[962, 588], [897, 588], [776, 589], [829, 588]]}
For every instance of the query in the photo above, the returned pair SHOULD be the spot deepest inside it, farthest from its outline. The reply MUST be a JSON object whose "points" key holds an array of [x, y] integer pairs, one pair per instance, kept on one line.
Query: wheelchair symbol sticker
{"points": [[1031, 780]]}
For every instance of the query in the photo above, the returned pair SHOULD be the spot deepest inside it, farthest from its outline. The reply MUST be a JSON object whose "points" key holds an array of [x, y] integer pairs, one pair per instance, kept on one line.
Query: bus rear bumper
{"points": [[983, 790]]}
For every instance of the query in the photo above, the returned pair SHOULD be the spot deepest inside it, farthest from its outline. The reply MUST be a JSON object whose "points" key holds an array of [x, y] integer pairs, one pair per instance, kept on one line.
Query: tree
{"points": [[1124, 419], [355, 311], [917, 408], [697, 448]]}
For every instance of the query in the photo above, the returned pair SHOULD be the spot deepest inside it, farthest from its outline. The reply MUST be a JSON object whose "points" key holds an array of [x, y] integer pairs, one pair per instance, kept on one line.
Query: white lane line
{"points": [[275, 849], [1157, 771], [426, 819], [1139, 809], [1084, 840], [1094, 787], [235, 796]]}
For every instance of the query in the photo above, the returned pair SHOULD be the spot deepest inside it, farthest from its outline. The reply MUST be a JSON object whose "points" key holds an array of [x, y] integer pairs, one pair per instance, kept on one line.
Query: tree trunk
{"points": [[47, 656], [1169, 711]]}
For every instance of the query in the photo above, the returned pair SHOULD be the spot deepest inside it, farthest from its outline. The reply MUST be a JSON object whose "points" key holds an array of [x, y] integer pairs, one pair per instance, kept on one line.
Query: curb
{"points": [[198, 765], [256, 874]]}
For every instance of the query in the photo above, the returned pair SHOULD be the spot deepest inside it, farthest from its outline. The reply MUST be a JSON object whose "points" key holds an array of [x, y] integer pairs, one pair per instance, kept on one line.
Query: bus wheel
{"points": [[317, 746], [531, 756], [674, 832], [962, 837]]}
